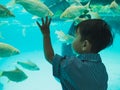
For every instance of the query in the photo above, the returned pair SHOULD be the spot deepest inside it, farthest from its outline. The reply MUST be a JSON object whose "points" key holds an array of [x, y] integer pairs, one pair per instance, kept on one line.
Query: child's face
{"points": [[80, 46], [77, 42]]}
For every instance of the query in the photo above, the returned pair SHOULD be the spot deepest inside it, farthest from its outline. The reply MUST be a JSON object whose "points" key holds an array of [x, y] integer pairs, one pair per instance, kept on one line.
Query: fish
{"points": [[74, 11], [65, 38], [15, 75], [28, 65], [5, 13], [35, 7], [7, 50], [89, 15], [114, 5]]}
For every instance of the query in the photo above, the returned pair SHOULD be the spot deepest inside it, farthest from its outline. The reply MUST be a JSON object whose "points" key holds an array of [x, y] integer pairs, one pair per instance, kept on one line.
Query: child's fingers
{"points": [[42, 21], [38, 24], [49, 21]]}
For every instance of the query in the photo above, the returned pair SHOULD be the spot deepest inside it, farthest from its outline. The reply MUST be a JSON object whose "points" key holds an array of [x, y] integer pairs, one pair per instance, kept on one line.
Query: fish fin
{"points": [[114, 4], [88, 5], [16, 68]]}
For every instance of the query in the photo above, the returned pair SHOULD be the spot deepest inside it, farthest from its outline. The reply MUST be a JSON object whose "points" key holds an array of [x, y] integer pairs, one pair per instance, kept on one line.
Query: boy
{"points": [[85, 71]]}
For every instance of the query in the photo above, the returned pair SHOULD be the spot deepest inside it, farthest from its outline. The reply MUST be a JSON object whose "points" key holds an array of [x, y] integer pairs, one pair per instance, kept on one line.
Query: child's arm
{"points": [[48, 50]]}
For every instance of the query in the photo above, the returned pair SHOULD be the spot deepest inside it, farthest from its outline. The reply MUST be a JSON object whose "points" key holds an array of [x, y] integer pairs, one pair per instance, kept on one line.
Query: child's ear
{"points": [[86, 46]]}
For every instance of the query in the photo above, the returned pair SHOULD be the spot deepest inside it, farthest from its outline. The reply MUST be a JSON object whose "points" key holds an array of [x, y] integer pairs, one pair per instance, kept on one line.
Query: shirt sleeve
{"points": [[56, 65]]}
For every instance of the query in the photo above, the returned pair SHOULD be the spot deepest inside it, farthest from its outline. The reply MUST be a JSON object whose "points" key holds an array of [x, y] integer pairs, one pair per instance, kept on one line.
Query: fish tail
{"points": [[88, 4]]}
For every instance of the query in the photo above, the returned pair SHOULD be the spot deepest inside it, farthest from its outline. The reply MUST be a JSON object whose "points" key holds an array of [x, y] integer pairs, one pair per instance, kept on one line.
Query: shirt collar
{"points": [[90, 57]]}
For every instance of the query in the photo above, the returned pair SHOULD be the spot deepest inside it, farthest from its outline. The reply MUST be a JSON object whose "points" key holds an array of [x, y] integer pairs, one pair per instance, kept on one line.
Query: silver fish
{"points": [[7, 50], [35, 7], [74, 11], [66, 38], [16, 75], [29, 65], [5, 13]]}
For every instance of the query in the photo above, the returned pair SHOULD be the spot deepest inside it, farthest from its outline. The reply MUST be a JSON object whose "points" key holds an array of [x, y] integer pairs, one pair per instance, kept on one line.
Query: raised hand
{"points": [[45, 29]]}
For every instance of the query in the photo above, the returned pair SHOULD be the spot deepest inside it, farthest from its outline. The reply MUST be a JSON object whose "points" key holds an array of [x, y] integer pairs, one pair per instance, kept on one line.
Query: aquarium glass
{"points": [[19, 31]]}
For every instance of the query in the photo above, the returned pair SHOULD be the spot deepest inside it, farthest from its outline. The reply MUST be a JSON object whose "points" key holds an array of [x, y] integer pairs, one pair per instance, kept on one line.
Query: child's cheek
{"points": [[75, 44]]}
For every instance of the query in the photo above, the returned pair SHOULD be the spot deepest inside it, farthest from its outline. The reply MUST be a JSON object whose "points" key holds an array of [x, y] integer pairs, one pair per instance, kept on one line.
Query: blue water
{"points": [[23, 33]]}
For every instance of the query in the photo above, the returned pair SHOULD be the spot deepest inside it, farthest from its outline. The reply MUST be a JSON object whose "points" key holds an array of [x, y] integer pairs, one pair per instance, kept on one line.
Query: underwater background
{"points": [[22, 33]]}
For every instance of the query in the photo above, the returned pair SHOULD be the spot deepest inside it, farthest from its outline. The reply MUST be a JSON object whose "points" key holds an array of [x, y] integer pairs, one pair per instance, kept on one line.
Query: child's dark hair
{"points": [[97, 32]]}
